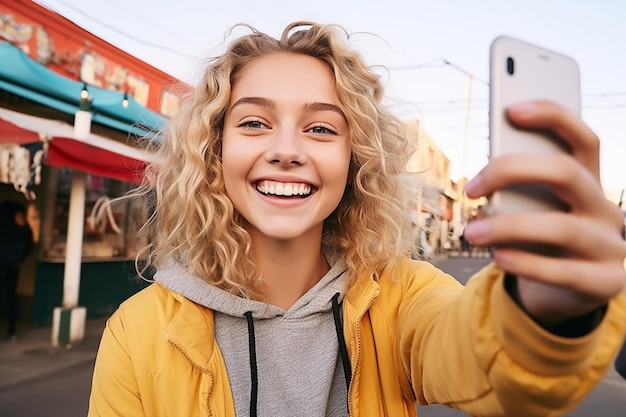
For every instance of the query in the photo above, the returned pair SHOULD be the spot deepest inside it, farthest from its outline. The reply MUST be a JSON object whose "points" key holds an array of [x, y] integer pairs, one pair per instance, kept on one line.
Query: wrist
{"points": [[558, 325]]}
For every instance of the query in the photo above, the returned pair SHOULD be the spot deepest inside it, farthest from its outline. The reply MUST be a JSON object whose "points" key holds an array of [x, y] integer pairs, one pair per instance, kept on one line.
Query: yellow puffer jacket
{"points": [[414, 336]]}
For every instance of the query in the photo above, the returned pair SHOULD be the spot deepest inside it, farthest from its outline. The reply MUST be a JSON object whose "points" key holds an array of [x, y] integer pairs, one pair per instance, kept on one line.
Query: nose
{"points": [[286, 148]]}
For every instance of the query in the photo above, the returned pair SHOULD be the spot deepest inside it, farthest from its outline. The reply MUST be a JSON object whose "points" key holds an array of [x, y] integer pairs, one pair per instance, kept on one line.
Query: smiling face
{"points": [[285, 149]]}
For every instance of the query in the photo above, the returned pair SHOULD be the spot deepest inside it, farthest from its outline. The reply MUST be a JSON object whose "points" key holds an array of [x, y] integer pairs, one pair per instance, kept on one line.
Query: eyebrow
{"points": [[266, 102], [317, 106], [259, 101]]}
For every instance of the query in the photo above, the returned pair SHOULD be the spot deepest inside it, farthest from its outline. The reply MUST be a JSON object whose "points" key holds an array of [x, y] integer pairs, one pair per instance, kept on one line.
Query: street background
{"points": [[38, 379], [431, 55]]}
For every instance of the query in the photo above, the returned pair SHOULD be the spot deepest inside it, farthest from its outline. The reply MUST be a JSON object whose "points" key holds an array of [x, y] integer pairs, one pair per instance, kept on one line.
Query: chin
{"points": [[277, 235], [286, 233]]}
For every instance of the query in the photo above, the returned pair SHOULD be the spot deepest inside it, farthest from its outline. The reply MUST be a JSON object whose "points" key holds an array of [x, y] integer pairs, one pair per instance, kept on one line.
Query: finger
{"points": [[551, 229], [601, 279], [583, 142], [573, 184]]}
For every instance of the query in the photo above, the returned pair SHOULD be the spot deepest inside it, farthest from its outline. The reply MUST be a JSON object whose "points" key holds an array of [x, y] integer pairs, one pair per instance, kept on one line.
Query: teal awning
{"points": [[24, 77]]}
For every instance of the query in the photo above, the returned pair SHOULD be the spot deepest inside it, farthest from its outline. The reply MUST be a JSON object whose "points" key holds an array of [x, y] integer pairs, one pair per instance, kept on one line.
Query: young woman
{"points": [[281, 244]]}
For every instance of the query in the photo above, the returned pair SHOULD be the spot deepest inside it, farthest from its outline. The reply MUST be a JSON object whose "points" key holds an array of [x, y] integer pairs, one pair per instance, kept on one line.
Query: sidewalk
{"points": [[33, 355]]}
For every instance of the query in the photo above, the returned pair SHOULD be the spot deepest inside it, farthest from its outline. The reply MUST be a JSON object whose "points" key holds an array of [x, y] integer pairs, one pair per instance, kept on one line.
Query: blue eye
{"points": [[322, 130], [253, 124]]}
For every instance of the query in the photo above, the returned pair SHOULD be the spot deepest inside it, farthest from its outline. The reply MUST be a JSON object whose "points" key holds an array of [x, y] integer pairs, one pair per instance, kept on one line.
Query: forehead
{"points": [[288, 76]]}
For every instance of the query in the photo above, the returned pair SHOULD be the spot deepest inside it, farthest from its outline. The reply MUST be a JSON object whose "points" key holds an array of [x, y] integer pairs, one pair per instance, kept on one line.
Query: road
{"points": [[62, 394], [66, 393]]}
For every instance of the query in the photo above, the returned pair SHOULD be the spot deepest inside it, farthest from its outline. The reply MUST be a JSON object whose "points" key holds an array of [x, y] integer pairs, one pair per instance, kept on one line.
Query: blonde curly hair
{"points": [[194, 221]]}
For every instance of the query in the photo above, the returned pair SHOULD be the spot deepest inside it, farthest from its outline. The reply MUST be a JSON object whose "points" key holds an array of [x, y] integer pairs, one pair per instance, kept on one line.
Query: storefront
{"points": [[46, 165], [38, 160]]}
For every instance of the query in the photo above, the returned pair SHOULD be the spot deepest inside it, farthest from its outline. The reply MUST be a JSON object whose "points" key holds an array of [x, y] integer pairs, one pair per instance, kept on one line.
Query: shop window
{"points": [[110, 226]]}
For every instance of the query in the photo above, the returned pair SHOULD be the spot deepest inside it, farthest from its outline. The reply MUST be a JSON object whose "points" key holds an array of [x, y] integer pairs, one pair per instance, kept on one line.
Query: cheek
{"points": [[337, 173], [347, 168], [230, 167], [237, 162]]}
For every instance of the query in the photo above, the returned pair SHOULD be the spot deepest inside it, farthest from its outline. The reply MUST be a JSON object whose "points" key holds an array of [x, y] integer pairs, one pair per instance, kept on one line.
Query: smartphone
{"points": [[519, 72]]}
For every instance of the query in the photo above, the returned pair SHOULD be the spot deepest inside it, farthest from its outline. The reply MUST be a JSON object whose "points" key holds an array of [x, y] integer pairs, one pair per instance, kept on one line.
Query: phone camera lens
{"points": [[510, 66]]}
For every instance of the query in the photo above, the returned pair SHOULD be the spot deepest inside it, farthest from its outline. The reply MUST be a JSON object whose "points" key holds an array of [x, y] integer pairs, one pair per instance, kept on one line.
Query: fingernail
{"points": [[472, 186], [524, 109], [476, 229]]}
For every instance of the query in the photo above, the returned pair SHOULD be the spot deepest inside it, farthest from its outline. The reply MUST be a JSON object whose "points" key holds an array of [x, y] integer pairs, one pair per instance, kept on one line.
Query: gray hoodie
{"points": [[279, 363]]}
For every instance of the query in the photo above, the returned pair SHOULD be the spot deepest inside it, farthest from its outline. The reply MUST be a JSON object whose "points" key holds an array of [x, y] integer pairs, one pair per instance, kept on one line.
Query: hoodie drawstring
{"points": [[343, 350], [254, 390]]}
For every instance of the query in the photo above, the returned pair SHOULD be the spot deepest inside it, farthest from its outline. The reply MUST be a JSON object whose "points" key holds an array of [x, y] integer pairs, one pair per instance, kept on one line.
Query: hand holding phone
{"points": [[582, 268]]}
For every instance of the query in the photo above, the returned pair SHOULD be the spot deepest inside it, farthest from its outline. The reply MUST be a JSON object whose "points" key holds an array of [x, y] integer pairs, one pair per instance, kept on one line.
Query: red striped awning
{"points": [[10, 133], [93, 154]]}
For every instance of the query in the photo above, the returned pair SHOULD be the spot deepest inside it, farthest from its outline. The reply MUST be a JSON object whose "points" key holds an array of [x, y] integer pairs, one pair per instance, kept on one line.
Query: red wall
{"points": [[76, 53]]}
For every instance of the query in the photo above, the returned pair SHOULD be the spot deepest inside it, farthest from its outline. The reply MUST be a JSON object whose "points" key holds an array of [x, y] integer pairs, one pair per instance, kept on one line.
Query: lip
{"points": [[283, 178], [283, 203]]}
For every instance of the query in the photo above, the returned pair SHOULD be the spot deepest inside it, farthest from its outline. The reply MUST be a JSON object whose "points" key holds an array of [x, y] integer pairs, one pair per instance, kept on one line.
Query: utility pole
{"points": [[465, 143]]}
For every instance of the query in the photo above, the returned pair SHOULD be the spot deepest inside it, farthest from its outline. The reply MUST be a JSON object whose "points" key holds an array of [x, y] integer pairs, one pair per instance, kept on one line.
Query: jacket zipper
{"points": [[357, 329], [204, 371]]}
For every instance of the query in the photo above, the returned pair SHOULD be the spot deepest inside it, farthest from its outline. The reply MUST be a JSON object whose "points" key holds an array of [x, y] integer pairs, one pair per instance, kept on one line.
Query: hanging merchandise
{"points": [[20, 165]]}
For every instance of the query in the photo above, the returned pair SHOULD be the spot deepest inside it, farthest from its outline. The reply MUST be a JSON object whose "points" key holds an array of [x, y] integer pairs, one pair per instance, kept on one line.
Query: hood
{"points": [[318, 299]]}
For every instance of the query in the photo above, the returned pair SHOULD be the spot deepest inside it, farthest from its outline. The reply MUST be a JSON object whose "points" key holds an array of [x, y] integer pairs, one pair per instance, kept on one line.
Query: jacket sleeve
{"points": [[477, 351], [114, 389]]}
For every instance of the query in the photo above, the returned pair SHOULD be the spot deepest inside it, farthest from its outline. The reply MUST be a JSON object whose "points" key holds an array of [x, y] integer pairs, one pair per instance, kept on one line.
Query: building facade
{"points": [[443, 208], [50, 68]]}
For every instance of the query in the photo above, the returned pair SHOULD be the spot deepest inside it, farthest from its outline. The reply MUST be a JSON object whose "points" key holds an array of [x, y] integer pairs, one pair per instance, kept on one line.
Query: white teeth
{"points": [[287, 189]]}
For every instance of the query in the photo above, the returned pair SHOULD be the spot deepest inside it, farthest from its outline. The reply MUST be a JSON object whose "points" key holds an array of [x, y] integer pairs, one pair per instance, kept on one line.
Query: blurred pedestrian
{"points": [[16, 242], [620, 362], [466, 246]]}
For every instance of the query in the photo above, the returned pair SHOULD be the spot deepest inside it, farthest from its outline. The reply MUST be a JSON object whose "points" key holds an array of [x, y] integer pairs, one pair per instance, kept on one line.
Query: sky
{"points": [[433, 55]]}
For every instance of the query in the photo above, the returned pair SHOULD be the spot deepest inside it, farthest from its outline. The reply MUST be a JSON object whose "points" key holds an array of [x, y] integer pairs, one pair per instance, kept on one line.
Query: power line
{"points": [[116, 29], [256, 11], [149, 22], [609, 100], [604, 100], [439, 62], [593, 101]]}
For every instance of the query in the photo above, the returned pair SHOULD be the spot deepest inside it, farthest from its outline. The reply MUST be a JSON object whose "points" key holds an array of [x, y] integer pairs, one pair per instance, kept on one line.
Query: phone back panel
{"points": [[521, 72]]}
